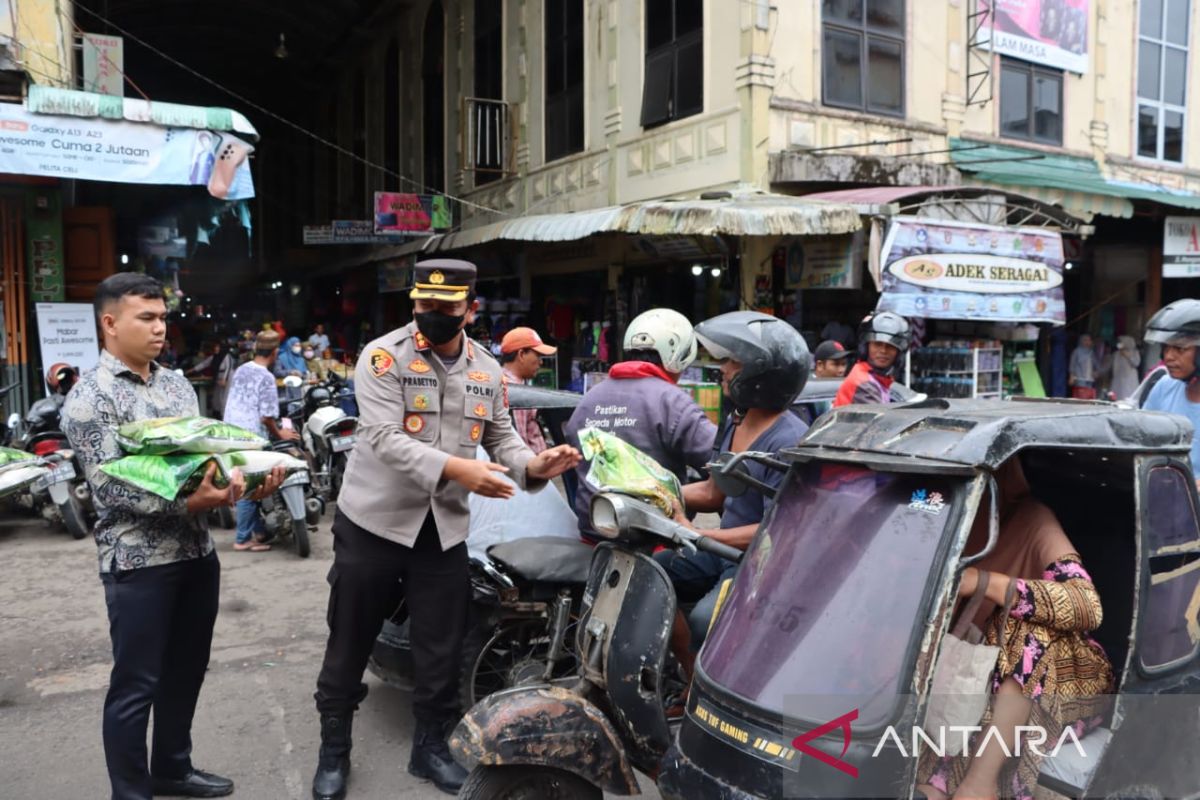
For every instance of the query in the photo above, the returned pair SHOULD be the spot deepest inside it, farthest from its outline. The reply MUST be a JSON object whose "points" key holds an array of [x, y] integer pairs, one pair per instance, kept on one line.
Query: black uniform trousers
{"points": [[161, 622], [369, 577]]}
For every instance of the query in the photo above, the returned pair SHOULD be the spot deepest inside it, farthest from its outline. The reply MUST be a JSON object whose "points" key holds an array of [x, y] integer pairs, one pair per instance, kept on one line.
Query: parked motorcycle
{"points": [[63, 494], [328, 433], [610, 716], [526, 598], [294, 508]]}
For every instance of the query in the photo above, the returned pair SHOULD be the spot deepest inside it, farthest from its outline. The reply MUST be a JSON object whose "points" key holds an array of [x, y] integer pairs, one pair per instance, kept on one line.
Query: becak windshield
{"points": [[829, 596]]}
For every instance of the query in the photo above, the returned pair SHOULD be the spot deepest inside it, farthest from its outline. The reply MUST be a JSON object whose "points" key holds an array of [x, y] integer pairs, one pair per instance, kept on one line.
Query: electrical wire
{"points": [[287, 122]]}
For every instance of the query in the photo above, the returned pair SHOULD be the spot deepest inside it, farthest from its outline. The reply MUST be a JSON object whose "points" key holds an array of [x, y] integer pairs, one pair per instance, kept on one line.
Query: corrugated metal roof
{"points": [[741, 214]]}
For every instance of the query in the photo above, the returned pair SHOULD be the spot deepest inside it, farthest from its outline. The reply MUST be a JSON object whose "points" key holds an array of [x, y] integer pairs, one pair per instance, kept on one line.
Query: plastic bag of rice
{"points": [[172, 435], [255, 465], [168, 476], [19, 477], [618, 465], [11, 458]]}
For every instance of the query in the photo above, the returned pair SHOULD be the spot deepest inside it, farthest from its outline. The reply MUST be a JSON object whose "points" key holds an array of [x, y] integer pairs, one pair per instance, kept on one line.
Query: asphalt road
{"points": [[255, 723]]}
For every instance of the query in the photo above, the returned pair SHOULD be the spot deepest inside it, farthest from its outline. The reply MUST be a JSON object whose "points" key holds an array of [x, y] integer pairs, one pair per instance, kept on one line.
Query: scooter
{"points": [[526, 597], [329, 433], [294, 508], [610, 716]]}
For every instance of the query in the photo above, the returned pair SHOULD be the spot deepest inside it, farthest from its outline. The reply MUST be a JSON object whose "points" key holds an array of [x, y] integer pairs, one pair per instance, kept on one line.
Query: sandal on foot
{"points": [[251, 546]]}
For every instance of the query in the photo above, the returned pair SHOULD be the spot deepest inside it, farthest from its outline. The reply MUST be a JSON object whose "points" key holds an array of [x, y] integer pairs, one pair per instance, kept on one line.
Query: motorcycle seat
{"points": [[544, 559]]}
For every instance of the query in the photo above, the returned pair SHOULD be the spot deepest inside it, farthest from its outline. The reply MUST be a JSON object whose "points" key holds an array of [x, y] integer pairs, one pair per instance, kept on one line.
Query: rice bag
{"points": [[20, 477], [621, 467], [172, 435], [11, 458], [255, 465], [168, 476]]}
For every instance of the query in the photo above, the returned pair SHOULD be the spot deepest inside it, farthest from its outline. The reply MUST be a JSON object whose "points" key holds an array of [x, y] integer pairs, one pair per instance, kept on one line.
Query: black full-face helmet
{"points": [[1177, 324], [774, 357]]}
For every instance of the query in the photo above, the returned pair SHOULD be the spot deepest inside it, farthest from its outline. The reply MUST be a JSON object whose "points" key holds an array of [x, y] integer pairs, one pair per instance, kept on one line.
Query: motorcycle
{"points": [[611, 715], [62, 495], [525, 605], [294, 509], [328, 433]]}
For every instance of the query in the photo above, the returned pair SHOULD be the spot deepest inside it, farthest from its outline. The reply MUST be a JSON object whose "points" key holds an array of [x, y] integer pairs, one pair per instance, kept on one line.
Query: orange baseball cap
{"points": [[525, 339]]}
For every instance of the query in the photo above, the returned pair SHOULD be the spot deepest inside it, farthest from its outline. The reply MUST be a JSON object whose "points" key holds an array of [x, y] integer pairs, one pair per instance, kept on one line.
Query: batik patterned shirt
{"points": [[252, 397], [136, 528]]}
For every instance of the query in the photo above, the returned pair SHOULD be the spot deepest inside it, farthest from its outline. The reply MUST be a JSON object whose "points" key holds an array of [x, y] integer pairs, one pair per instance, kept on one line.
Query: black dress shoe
{"points": [[196, 783]]}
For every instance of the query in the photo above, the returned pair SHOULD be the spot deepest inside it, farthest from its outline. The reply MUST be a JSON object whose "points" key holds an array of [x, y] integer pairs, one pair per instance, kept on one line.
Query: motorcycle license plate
{"points": [[341, 444], [62, 472]]}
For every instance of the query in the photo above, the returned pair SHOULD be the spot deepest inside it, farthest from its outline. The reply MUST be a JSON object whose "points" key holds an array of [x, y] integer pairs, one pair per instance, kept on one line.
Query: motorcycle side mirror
{"points": [[293, 381], [729, 474], [14, 421]]}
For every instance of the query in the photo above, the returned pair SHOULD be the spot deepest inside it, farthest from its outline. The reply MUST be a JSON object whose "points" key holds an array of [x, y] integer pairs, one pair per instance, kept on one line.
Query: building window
{"points": [[1162, 78], [862, 64], [488, 121], [674, 83], [564, 78], [1030, 102]]}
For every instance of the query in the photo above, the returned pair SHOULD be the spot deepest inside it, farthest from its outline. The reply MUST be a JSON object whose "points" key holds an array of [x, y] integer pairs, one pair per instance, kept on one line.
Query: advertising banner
{"points": [[67, 333], [398, 214], [1181, 247], [953, 270], [1050, 32], [825, 262], [124, 152]]}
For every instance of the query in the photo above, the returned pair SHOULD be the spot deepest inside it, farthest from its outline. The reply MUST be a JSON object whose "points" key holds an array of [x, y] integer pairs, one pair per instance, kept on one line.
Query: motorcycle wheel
{"points": [[73, 518], [513, 655], [526, 783], [300, 534]]}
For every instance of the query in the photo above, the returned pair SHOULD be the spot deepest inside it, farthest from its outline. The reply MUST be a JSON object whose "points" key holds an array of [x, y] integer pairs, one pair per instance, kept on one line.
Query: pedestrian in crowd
{"points": [[640, 404], [764, 366], [831, 359], [160, 573], [1177, 329], [254, 405], [1125, 365], [290, 360], [428, 397], [1083, 370], [521, 352], [319, 340], [883, 340]]}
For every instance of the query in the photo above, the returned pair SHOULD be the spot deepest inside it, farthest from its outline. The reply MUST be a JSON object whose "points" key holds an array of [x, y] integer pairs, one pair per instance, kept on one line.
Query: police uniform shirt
{"points": [[415, 412]]}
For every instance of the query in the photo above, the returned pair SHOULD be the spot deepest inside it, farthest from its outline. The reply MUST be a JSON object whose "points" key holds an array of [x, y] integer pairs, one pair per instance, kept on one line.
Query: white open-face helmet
{"points": [[666, 332]]}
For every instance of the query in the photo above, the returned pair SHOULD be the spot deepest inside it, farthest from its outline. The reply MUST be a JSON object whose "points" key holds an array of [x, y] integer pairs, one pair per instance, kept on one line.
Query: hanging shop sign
{"points": [[104, 64], [1181, 247], [100, 149], [825, 262], [950, 270], [1050, 32], [399, 214], [67, 333], [351, 231]]}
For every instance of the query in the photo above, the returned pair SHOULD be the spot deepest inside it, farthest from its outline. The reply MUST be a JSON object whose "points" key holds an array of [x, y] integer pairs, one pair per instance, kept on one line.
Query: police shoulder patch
{"points": [[381, 361]]}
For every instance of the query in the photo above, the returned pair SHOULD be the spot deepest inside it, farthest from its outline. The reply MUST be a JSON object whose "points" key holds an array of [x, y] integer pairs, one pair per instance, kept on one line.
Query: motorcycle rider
{"points": [[640, 403], [883, 339], [428, 397], [1177, 328], [765, 364]]}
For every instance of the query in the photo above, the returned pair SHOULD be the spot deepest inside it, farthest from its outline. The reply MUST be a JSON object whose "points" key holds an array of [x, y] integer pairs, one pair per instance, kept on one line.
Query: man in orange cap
{"points": [[521, 353]]}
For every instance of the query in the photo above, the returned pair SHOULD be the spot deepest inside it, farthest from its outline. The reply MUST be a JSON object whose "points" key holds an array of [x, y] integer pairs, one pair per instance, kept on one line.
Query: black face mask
{"points": [[437, 327]]}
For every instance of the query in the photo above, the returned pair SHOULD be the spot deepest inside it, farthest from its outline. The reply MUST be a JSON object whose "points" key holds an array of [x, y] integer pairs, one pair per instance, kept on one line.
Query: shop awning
{"points": [[1075, 184], [71, 103], [738, 214], [1024, 209]]}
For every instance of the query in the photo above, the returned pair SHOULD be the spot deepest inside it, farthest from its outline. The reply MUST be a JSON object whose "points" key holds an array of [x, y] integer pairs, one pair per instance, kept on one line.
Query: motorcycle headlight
{"points": [[605, 515]]}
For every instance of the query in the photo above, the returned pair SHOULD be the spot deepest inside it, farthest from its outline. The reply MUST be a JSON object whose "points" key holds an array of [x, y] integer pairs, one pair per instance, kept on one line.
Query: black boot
{"points": [[333, 764], [431, 758]]}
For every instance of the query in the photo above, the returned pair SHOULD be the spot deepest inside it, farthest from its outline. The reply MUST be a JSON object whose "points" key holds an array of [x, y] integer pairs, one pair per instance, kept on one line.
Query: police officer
{"points": [[427, 397]]}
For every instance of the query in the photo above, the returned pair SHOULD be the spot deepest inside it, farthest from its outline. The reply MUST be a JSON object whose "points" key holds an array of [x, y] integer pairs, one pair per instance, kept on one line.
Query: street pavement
{"points": [[255, 723]]}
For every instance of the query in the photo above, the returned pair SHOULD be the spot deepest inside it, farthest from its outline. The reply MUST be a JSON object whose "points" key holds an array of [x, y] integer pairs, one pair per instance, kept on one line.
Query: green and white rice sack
{"points": [[17, 477], [256, 465], [173, 435], [172, 476]]}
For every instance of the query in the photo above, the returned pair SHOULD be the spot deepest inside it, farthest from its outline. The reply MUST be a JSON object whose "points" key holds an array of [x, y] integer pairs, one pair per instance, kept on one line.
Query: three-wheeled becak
{"points": [[819, 665]]}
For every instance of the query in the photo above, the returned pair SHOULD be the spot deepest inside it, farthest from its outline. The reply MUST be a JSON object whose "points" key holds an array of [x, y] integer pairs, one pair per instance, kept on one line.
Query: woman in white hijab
{"points": [[1125, 367]]}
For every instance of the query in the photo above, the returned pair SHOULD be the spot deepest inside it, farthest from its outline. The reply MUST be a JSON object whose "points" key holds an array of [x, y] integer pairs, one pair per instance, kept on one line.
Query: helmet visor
{"points": [[714, 349], [1177, 338]]}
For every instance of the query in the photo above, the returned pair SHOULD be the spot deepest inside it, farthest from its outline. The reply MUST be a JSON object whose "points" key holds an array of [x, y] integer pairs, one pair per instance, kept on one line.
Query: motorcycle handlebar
{"points": [[719, 549]]}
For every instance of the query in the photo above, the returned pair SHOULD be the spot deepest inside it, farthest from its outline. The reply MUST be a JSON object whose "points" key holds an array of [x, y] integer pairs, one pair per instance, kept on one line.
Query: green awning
{"points": [[70, 102], [1075, 184]]}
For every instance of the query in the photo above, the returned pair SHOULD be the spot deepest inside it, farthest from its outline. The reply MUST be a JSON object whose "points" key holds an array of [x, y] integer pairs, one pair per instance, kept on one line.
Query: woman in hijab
{"points": [[1050, 672], [1126, 361], [291, 359]]}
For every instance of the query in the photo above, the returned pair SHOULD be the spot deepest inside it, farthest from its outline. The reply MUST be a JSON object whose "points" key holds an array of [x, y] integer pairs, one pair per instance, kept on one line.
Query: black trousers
{"points": [[161, 623], [369, 577]]}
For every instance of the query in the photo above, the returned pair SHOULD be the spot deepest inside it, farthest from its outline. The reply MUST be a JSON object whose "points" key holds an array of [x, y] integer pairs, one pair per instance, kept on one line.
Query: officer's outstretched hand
{"points": [[480, 477], [553, 462]]}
